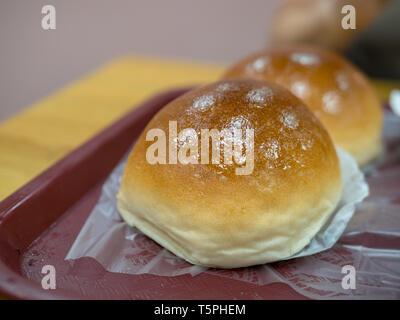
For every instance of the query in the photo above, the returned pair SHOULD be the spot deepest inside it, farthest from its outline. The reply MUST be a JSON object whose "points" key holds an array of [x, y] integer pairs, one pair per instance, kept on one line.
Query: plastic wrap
{"points": [[370, 241]]}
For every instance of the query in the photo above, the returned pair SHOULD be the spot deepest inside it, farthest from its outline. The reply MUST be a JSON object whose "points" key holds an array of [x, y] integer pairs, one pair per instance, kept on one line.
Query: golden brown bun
{"points": [[210, 216], [339, 94]]}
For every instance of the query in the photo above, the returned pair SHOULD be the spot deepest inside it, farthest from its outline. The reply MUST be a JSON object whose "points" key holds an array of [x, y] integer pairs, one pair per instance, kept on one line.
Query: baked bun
{"points": [[213, 215], [339, 94]]}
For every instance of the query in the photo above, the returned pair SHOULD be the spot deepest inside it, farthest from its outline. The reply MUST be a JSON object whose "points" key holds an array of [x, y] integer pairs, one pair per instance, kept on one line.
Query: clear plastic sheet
{"points": [[370, 241]]}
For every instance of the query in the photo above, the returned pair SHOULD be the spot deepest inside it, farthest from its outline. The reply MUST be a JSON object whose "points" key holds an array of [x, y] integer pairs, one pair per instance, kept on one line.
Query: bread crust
{"points": [[209, 215], [340, 95]]}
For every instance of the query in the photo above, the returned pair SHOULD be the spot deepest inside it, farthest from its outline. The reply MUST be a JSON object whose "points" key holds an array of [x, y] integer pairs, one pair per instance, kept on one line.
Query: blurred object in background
{"points": [[377, 49], [318, 22], [34, 63], [394, 102], [374, 45]]}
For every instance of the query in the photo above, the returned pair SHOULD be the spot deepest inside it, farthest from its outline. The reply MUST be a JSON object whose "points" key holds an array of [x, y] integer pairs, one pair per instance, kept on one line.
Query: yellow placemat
{"points": [[39, 136], [35, 139]]}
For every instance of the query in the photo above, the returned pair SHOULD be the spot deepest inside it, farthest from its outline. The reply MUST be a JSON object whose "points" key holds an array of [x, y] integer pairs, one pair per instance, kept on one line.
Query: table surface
{"points": [[36, 138]]}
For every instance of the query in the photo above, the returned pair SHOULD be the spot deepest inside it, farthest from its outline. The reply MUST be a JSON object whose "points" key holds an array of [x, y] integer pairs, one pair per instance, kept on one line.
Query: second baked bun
{"points": [[210, 215], [338, 93]]}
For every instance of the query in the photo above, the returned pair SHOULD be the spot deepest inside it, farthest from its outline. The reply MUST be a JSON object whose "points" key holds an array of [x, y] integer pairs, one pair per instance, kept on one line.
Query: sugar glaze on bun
{"points": [[209, 215], [340, 95]]}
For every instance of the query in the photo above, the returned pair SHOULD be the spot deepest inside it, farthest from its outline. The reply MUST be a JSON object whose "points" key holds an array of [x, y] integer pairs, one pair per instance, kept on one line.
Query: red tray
{"points": [[39, 222]]}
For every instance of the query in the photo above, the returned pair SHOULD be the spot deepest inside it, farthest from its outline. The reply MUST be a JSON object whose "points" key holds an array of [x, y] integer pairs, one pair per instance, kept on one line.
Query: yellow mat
{"points": [[39, 136]]}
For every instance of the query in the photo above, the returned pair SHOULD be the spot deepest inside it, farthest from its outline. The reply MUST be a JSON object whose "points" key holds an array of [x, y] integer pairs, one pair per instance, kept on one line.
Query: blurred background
{"points": [[34, 63]]}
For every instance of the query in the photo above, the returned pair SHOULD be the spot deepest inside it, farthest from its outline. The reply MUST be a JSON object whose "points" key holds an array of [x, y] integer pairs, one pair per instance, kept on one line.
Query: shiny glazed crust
{"points": [[209, 215], [339, 94]]}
